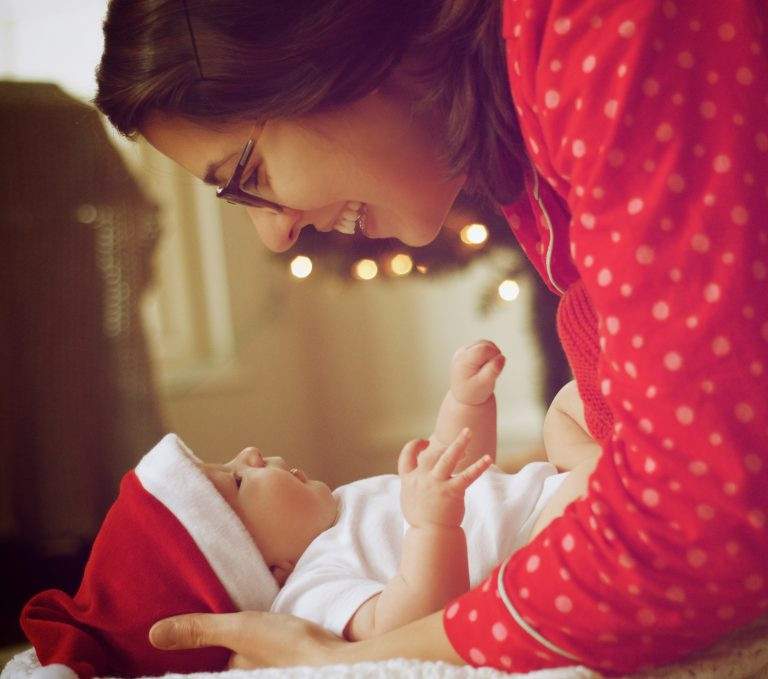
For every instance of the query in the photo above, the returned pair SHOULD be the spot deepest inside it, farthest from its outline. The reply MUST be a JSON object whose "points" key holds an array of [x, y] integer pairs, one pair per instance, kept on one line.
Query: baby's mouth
{"points": [[299, 474]]}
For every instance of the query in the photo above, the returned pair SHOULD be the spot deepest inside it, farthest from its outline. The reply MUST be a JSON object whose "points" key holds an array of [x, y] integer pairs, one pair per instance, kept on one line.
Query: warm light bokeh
{"points": [[301, 266], [401, 264], [474, 234], [509, 290], [365, 269]]}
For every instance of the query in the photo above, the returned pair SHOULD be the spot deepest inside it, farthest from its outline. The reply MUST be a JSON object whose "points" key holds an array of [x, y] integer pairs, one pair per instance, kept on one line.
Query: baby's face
{"points": [[281, 508]]}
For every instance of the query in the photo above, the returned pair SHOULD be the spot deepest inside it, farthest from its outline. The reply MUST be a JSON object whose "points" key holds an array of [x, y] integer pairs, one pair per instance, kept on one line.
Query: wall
{"points": [[335, 376]]}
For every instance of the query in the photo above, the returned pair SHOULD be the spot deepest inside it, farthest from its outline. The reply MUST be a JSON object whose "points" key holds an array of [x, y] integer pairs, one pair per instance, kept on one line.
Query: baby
{"points": [[188, 536], [403, 546]]}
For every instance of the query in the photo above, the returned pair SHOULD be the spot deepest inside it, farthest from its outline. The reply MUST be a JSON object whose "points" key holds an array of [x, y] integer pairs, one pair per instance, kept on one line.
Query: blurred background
{"points": [[134, 303]]}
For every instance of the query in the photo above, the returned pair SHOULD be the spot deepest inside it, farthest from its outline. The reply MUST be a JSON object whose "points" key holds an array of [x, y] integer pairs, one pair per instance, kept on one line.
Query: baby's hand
{"points": [[474, 370], [429, 495]]}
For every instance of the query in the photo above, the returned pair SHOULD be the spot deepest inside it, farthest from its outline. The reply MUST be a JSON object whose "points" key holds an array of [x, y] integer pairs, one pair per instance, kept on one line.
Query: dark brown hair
{"points": [[227, 60]]}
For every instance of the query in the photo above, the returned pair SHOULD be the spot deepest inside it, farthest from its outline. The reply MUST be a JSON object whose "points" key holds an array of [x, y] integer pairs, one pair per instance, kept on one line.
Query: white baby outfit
{"points": [[355, 558]]}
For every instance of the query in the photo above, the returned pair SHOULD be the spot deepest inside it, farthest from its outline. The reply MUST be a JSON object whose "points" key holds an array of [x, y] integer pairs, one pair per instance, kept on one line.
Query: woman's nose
{"points": [[277, 230]]}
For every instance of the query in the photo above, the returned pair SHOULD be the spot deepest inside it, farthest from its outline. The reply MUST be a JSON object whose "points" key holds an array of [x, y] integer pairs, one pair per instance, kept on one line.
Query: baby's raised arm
{"points": [[470, 401], [434, 565]]}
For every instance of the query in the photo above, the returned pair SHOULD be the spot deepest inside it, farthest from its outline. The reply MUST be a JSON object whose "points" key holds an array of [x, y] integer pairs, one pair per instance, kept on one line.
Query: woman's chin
{"points": [[418, 236], [411, 232]]}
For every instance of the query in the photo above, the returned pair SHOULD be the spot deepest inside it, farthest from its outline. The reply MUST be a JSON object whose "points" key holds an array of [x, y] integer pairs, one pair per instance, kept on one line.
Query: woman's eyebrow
{"points": [[213, 168]]}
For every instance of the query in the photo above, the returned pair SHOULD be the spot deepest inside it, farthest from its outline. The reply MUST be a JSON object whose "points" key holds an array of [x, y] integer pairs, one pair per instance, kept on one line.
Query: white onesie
{"points": [[355, 558]]}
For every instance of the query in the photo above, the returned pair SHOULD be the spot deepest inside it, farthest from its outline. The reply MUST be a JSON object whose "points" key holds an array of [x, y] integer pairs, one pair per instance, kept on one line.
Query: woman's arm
{"points": [[271, 640], [423, 639]]}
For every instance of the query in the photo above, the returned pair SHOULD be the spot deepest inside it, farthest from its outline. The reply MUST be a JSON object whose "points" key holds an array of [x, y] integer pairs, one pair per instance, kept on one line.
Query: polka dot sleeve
{"points": [[651, 120]]}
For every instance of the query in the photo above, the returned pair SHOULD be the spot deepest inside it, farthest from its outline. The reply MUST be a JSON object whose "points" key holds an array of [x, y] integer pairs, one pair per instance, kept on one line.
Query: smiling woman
{"points": [[351, 108], [396, 107]]}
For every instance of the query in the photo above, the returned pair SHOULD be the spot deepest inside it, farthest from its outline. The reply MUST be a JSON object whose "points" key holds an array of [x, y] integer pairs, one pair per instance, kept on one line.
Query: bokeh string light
{"points": [[301, 266], [401, 264], [365, 269], [474, 234], [509, 290], [472, 231]]}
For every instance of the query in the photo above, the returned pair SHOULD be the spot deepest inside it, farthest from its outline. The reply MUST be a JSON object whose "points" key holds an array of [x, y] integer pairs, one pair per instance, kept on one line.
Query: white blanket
{"points": [[743, 655]]}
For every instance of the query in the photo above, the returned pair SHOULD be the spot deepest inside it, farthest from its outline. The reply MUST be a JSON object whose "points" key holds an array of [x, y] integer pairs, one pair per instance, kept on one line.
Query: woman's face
{"points": [[372, 151]]}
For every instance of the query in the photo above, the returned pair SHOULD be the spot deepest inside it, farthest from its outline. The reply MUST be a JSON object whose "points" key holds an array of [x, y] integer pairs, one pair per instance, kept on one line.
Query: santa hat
{"points": [[170, 544]]}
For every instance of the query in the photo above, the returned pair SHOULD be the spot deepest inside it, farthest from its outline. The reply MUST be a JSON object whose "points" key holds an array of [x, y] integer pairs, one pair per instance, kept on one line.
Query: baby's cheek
{"points": [[252, 505]]}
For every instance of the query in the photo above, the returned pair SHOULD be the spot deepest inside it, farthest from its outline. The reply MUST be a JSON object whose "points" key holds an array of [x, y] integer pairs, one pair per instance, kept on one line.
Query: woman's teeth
{"points": [[350, 218]]}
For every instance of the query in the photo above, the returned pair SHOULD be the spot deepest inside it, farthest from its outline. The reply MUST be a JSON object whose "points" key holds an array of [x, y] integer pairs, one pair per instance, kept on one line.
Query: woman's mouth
{"points": [[352, 218]]}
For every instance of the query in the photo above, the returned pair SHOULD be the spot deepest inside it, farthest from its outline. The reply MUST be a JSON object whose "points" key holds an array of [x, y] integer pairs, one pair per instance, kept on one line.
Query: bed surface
{"points": [[743, 655]]}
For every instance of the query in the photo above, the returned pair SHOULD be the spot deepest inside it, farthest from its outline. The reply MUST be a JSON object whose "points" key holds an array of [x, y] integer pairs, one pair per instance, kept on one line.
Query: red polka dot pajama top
{"points": [[647, 211]]}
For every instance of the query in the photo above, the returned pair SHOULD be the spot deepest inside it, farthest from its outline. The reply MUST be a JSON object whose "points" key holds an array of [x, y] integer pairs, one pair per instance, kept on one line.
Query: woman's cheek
{"points": [[305, 193]]}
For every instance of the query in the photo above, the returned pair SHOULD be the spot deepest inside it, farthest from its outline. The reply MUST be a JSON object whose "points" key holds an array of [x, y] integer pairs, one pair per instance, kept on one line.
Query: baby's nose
{"points": [[250, 457], [278, 462]]}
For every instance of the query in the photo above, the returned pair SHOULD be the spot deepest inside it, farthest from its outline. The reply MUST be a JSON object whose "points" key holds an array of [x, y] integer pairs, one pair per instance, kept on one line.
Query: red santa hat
{"points": [[170, 544]]}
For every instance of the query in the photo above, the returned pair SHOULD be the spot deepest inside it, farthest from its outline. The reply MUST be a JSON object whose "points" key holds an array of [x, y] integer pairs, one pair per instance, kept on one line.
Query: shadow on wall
{"points": [[78, 401]]}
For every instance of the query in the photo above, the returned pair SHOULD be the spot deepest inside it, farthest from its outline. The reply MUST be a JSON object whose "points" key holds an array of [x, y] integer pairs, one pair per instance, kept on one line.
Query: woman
{"points": [[627, 144]]}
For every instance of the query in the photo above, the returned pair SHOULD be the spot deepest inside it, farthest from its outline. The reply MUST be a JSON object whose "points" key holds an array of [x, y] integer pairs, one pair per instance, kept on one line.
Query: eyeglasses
{"points": [[234, 193]]}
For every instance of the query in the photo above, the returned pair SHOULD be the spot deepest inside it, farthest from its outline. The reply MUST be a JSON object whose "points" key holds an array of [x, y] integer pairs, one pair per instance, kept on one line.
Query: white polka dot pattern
{"points": [[651, 121]]}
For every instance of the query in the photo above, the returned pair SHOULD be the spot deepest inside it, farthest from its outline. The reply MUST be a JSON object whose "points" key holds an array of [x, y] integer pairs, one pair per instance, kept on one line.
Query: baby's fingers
{"points": [[471, 474], [451, 456], [407, 461], [493, 367]]}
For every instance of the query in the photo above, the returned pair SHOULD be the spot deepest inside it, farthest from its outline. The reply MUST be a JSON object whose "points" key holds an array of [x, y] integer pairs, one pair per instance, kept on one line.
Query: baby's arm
{"points": [[433, 566], [566, 438], [569, 447], [470, 401]]}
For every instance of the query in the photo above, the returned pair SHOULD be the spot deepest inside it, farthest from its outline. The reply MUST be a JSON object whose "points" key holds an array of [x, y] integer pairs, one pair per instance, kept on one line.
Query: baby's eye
{"points": [[238, 479]]}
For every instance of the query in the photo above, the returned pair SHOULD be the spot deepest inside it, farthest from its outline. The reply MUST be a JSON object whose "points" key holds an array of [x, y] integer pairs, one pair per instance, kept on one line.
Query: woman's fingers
{"points": [[196, 630], [408, 455], [450, 457], [239, 662], [471, 474], [256, 638]]}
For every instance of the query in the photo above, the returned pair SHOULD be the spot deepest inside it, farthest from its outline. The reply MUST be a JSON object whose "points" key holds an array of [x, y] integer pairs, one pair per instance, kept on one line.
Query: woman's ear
{"points": [[281, 570]]}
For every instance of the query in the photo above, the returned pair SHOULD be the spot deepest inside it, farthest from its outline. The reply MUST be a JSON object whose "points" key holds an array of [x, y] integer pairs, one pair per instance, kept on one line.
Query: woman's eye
{"points": [[253, 180]]}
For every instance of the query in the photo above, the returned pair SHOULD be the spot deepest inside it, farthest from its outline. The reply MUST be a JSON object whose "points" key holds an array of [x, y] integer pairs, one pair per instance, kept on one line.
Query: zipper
{"points": [[548, 222]]}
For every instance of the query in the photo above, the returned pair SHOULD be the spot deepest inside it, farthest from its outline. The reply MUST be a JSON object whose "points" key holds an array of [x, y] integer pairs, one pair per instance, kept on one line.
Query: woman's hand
{"points": [[257, 639]]}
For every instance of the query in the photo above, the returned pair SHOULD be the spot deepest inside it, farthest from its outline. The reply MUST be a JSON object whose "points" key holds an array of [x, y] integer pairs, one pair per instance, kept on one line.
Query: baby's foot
{"points": [[474, 370]]}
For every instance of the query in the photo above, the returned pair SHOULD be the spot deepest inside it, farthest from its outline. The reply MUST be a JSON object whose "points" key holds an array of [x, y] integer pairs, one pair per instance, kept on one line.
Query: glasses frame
{"points": [[233, 193]]}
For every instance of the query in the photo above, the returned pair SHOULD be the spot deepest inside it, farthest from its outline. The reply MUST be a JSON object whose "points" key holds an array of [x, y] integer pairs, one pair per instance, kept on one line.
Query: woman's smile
{"points": [[346, 161], [348, 218]]}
